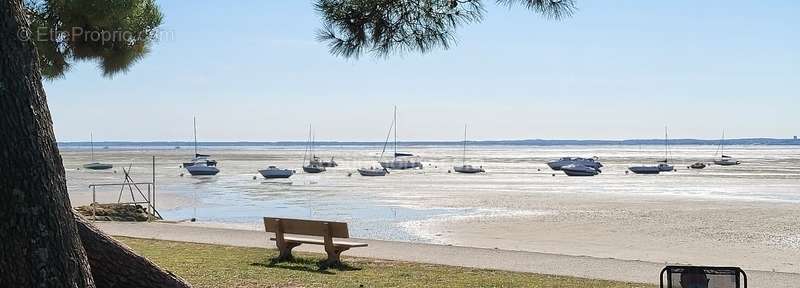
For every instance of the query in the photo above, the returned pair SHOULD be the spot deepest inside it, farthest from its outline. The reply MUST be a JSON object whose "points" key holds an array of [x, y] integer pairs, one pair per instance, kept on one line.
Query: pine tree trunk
{"points": [[40, 246], [40, 243], [115, 265]]}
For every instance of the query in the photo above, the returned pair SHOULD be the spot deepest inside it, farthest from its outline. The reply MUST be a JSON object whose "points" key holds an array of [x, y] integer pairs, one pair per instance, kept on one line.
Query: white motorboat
{"points": [[565, 161], [725, 160], [400, 161], [314, 165], [579, 170], [201, 164], [95, 165], [645, 169], [466, 168], [273, 172], [372, 171]]}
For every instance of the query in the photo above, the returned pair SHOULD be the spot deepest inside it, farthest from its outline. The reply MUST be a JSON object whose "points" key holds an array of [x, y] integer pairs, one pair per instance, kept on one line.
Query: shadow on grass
{"points": [[305, 264]]}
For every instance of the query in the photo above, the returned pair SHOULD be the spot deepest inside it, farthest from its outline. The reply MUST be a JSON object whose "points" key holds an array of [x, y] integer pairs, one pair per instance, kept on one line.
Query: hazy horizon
{"points": [[620, 70]]}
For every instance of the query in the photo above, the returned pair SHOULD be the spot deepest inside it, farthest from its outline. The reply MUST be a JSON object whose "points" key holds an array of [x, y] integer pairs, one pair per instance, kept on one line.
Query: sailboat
{"points": [[465, 168], [725, 160], [200, 165], [378, 171], [400, 161], [314, 165], [664, 165], [95, 165]]}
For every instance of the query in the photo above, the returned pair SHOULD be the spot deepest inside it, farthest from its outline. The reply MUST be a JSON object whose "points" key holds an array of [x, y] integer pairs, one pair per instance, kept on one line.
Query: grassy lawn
{"points": [[223, 266]]}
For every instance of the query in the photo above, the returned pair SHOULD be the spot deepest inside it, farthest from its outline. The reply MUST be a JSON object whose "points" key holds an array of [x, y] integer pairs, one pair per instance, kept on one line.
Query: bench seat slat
{"points": [[321, 241]]}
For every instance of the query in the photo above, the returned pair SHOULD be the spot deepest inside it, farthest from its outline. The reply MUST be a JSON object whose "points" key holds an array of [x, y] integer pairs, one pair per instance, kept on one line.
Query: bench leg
{"points": [[286, 252], [333, 257]]}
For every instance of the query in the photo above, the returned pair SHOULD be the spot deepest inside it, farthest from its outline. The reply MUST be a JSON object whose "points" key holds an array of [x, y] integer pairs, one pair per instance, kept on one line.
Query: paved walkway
{"points": [[520, 261]]}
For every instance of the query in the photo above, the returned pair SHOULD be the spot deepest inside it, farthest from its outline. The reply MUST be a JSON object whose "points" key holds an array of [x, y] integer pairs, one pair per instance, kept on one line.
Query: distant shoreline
{"points": [[529, 142]]}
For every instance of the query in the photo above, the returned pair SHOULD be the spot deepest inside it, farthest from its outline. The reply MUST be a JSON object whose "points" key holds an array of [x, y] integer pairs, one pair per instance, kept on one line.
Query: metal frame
{"points": [[741, 277]]}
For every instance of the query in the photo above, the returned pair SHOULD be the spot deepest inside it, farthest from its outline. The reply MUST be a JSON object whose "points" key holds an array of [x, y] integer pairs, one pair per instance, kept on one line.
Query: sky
{"points": [[616, 70]]}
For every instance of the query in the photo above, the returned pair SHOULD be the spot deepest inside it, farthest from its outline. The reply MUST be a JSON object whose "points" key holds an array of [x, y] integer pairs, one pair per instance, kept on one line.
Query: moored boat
{"points": [[565, 161], [95, 165], [645, 169], [372, 171], [273, 172], [201, 164], [466, 168], [698, 165], [579, 170]]}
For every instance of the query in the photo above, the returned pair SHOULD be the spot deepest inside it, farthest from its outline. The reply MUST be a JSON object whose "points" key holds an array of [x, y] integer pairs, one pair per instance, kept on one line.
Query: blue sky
{"points": [[616, 70]]}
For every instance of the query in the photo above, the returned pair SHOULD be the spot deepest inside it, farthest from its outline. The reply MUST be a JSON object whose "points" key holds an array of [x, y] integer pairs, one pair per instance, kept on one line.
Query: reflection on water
{"points": [[386, 207]]}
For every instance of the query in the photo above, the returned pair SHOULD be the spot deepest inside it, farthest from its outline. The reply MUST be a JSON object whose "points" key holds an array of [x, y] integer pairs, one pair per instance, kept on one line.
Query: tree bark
{"points": [[40, 246], [40, 243], [114, 265]]}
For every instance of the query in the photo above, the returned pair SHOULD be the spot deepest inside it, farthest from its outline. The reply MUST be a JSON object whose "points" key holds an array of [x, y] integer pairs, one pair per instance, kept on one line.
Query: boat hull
{"points": [[726, 162], [580, 171], [276, 174], [468, 169], [560, 163], [645, 169], [400, 165], [698, 165], [372, 172], [98, 166], [198, 170], [313, 169]]}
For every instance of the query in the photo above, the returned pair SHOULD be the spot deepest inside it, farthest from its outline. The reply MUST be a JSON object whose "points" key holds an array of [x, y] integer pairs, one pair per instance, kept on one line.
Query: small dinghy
{"points": [[579, 170], [698, 165]]}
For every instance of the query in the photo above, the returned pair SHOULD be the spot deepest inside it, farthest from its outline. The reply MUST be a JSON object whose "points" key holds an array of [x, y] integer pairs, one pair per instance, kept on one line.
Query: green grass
{"points": [[224, 266]]}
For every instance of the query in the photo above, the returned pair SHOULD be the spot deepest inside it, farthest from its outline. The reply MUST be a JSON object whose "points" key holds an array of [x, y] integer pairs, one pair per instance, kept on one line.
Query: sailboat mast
{"points": [[91, 143], [194, 123], [305, 153], [395, 131], [464, 153], [666, 144], [722, 144]]}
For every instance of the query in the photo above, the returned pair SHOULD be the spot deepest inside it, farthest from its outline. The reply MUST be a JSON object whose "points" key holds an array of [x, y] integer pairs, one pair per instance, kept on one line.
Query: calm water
{"points": [[381, 207]]}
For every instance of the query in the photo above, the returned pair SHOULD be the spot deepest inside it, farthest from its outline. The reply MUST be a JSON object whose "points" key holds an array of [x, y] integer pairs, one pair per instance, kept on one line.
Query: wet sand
{"points": [[753, 235]]}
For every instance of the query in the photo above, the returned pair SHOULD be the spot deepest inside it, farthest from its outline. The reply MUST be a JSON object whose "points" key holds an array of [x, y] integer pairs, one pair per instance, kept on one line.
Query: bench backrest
{"points": [[306, 227]]}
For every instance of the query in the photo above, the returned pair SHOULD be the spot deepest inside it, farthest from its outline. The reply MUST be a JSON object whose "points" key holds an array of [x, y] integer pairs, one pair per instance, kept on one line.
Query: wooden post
{"points": [[94, 204]]}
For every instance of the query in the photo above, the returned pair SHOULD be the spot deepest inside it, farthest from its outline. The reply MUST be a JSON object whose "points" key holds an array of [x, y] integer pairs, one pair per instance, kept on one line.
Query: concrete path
{"points": [[520, 261]]}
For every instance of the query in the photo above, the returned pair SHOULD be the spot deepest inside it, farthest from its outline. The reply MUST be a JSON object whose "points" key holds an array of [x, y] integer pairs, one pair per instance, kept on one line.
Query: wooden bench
{"points": [[325, 229]]}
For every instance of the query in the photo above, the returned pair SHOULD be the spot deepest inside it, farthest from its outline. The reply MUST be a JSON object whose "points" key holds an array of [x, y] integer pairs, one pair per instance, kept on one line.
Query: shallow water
{"points": [[388, 207]]}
